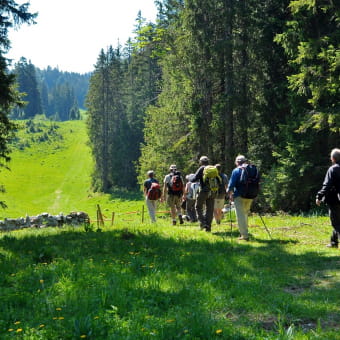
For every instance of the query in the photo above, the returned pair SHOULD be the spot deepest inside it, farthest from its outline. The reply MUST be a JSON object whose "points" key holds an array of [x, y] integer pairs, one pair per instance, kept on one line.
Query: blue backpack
{"points": [[250, 180]]}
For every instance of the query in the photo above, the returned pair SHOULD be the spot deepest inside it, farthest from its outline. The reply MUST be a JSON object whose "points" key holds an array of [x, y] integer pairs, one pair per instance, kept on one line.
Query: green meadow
{"points": [[51, 165], [137, 280]]}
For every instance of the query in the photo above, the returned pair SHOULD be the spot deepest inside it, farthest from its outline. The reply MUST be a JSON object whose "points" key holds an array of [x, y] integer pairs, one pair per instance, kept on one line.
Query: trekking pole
{"points": [[231, 222], [265, 226]]}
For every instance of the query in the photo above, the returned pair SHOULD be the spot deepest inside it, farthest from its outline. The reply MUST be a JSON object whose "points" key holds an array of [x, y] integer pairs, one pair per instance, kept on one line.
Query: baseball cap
{"points": [[240, 159]]}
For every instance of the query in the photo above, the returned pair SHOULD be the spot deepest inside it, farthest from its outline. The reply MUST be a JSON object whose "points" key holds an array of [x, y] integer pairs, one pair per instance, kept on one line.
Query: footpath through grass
{"points": [[156, 281]]}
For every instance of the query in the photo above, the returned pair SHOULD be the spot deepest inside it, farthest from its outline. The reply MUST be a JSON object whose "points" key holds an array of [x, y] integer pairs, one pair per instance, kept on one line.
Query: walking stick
{"points": [[265, 226], [231, 222]]}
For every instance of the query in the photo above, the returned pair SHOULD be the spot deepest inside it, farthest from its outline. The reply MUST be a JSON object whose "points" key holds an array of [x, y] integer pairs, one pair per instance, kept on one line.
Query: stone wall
{"points": [[44, 220]]}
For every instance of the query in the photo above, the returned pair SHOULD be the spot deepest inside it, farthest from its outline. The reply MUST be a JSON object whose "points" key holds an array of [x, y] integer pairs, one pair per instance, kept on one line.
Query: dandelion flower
{"points": [[17, 322], [61, 318], [96, 317], [83, 336], [219, 331], [41, 326], [19, 330], [41, 281], [11, 330], [171, 320], [58, 308]]}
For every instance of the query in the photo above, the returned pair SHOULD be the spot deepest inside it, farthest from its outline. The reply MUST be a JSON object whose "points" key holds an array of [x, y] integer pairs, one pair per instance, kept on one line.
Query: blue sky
{"points": [[69, 34]]}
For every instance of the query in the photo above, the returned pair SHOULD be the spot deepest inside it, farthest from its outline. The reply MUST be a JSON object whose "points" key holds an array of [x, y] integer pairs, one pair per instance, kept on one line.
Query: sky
{"points": [[69, 34]]}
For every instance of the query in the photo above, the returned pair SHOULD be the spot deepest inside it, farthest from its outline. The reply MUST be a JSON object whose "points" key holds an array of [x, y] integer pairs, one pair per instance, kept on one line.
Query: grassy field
{"points": [[136, 280], [154, 281], [50, 172]]}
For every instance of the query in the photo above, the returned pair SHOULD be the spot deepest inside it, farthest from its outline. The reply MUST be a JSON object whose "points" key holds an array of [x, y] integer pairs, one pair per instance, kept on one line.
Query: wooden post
{"points": [[112, 218], [100, 216], [142, 213]]}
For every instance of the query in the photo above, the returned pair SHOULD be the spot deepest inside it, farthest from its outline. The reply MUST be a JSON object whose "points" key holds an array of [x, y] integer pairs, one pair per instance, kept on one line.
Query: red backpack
{"points": [[176, 184], [154, 193]]}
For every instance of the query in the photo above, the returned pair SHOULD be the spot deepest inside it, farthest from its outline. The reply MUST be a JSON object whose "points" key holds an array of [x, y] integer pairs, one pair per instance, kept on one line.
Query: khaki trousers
{"points": [[242, 207]]}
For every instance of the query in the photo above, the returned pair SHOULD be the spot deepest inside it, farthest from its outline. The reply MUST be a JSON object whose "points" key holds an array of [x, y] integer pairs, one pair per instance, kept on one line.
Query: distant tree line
{"points": [[219, 78], [56, 94]]}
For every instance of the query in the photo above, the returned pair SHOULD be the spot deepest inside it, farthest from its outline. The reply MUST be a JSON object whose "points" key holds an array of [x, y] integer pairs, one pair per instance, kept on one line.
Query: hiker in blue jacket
{"points": [[235, 192]]}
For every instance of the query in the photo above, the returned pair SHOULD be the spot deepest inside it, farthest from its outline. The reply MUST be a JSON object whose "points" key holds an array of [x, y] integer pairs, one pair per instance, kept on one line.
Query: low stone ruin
{"points": [[44, 220]]}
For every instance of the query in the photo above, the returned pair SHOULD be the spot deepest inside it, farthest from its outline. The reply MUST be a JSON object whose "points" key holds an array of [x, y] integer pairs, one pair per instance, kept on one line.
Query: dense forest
{"points": [[56, 94], [221, 78]]}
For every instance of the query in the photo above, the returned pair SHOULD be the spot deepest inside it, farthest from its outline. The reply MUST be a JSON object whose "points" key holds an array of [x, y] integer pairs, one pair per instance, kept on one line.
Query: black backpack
{"points": [[250, 180]]}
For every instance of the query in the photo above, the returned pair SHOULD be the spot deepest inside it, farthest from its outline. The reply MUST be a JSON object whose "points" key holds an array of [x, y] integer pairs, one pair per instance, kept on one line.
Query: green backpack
{"points": [[211, 178]]}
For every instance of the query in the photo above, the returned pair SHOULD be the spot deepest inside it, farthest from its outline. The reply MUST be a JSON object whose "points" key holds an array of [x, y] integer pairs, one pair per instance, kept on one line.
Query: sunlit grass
{"points": [[54, 175], [142, 281]]}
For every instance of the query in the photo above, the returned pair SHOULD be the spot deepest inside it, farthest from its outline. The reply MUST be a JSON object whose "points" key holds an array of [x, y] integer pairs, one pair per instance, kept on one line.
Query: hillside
{"points": [[50, 171]]}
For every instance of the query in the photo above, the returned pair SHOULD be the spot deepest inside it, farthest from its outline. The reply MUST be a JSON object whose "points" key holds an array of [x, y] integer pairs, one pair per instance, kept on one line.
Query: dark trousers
{"points": [[191, 211], [334, 215], [205, 208]]}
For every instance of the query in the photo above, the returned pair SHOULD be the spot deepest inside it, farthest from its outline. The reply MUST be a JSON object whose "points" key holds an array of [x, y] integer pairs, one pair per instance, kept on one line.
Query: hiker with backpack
{"points": [[190, 195], [153, 193], [221, 195], [209, 180], [242, 188], [173, 192], [330, 194]]}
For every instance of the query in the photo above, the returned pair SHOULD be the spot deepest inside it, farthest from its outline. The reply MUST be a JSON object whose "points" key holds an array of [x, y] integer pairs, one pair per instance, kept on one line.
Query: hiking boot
{"points": [[173, 222], [180, 219], [207, 228], [243, 238], [332, 245]]}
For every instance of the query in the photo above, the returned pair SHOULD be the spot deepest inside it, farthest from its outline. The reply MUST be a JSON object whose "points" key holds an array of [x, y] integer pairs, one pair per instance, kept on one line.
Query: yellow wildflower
{"points": [[219, 331], [17, 322], [96, 317], [41, 281], [11, 330], [58, 308], [19, 330], [61, 318], [41, 326], [83, 336]]}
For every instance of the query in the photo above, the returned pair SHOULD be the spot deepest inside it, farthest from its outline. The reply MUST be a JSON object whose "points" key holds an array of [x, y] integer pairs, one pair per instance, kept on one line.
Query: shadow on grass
{"points": [[200, 284]]}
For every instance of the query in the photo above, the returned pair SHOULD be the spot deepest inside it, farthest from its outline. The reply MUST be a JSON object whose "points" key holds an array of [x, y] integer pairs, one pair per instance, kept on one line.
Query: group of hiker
{"points": [[202, 195]]}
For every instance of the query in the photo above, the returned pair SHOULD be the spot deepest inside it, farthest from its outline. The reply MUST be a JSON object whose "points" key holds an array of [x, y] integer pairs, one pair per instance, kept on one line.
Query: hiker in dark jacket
{"points": [[205, 201], [330, 194]]}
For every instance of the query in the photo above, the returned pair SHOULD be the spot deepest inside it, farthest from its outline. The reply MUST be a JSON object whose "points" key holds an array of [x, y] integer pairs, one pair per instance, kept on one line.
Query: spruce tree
{"points": [[11, 14]]}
